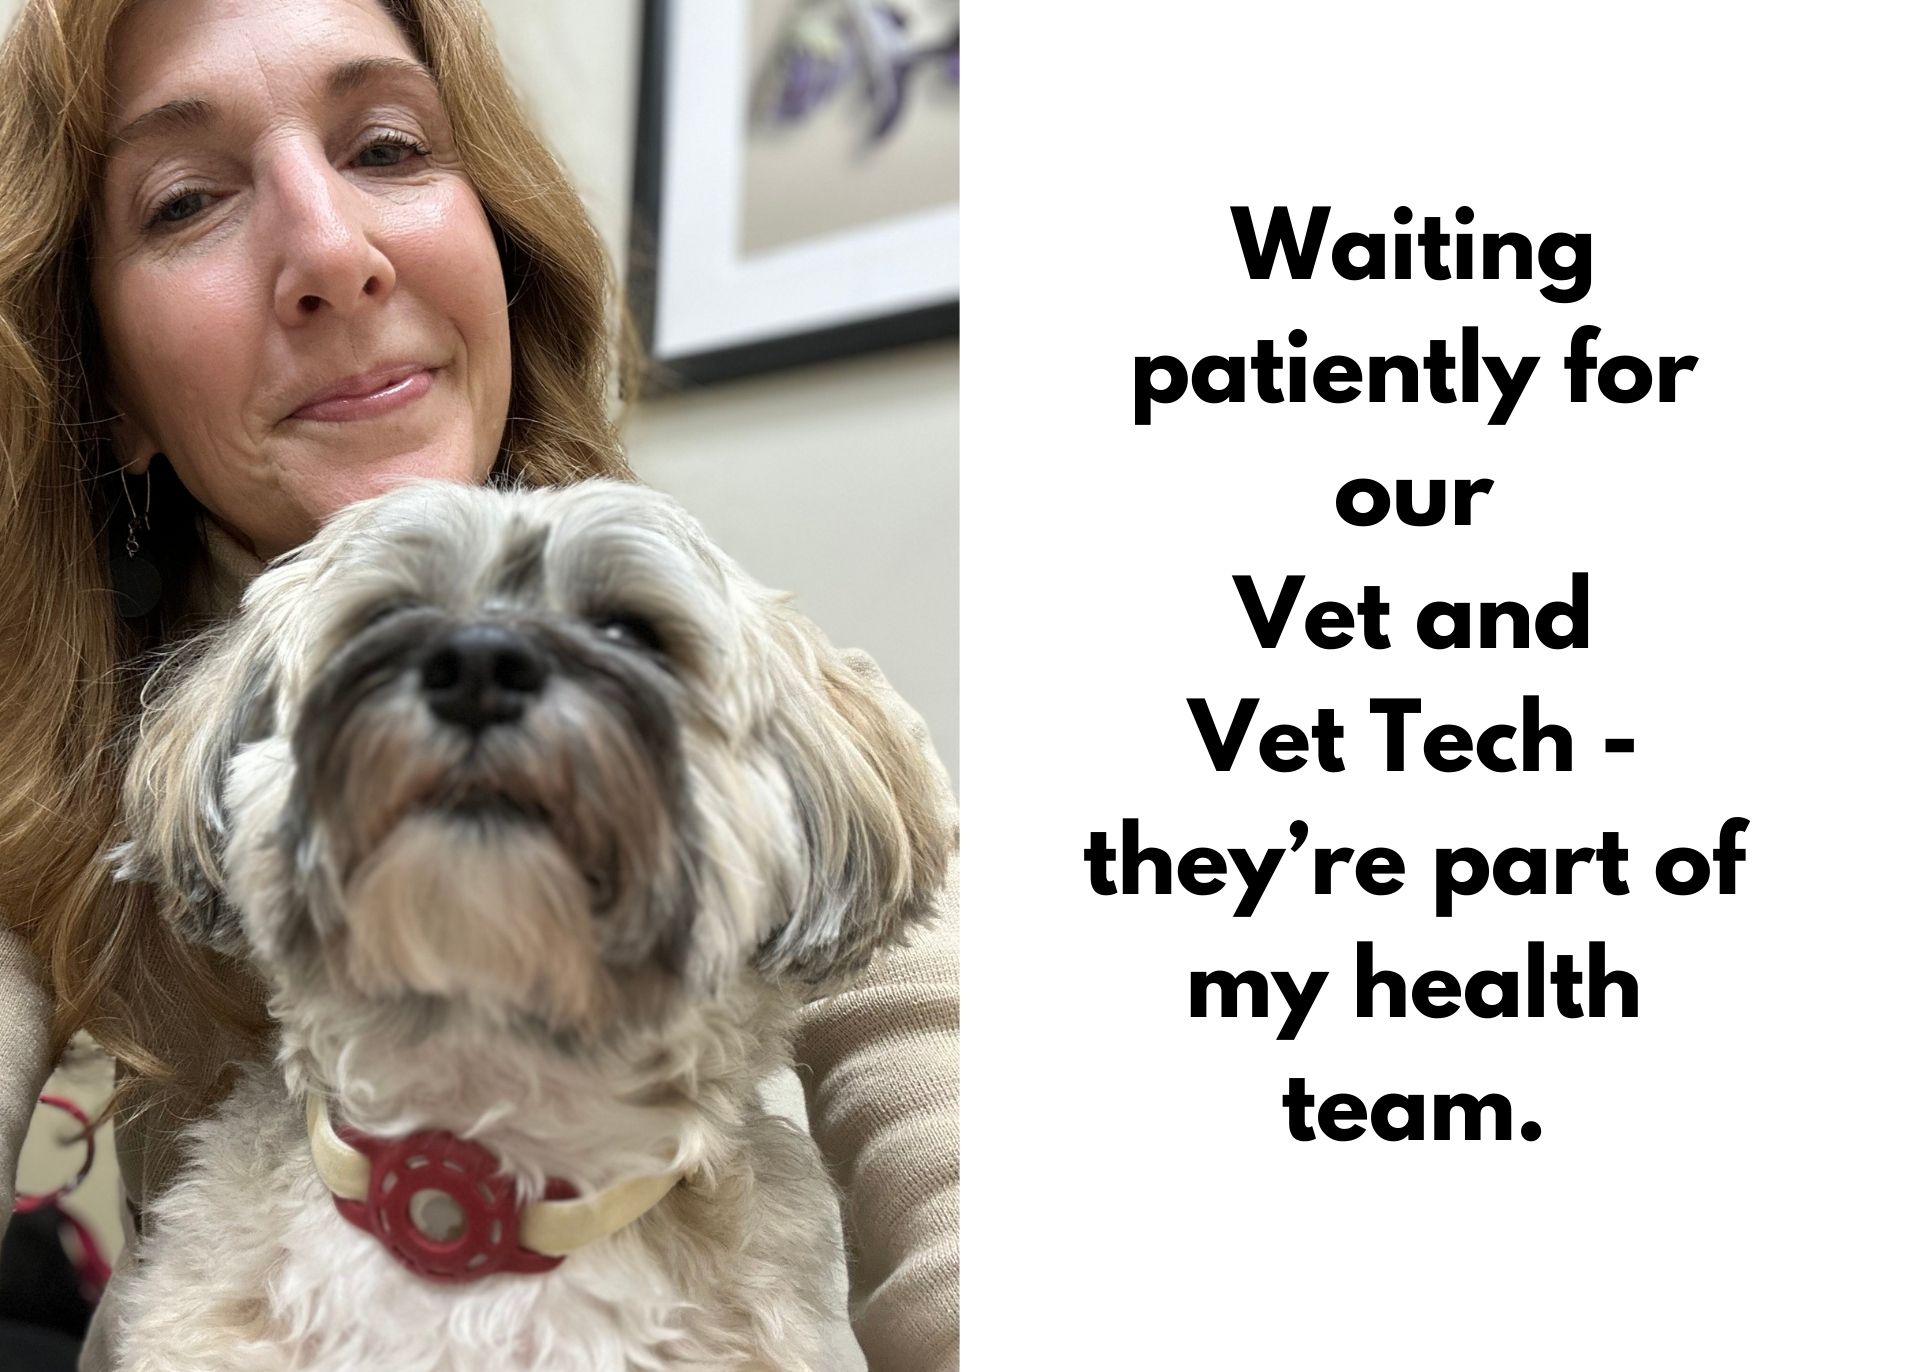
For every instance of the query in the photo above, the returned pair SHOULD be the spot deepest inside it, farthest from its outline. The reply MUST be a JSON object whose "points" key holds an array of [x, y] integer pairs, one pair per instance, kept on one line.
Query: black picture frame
{"points": [[789, 347]]}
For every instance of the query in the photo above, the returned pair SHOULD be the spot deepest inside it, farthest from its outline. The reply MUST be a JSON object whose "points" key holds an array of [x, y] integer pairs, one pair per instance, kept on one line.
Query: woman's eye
{"points": [[389, 150], [631, 631], [179, 208], [386, 149]]}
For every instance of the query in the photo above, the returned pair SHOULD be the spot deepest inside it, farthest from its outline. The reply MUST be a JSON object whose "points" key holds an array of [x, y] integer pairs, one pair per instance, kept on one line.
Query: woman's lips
{"points": [[381, 396]]}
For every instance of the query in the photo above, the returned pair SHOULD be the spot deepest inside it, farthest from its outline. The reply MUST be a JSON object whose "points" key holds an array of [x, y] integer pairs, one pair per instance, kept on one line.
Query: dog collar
{"points": [[445, 1210]]}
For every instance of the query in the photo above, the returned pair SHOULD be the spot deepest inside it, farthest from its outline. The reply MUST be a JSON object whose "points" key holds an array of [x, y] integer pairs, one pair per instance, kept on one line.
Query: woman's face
{"points": [[298, 289]]}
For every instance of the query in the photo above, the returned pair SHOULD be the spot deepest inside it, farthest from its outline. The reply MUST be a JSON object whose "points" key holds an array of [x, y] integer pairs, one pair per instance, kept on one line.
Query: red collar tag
{"points": [[442, 1207]]}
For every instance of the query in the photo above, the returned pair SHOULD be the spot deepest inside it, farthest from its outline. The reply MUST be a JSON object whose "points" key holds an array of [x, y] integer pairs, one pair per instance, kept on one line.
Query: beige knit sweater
{"points": [[879, 1062]]}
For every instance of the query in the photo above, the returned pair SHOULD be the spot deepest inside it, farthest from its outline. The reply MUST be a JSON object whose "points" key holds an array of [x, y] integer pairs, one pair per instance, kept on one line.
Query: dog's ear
{"points": [[876, 815], [208, 699]]}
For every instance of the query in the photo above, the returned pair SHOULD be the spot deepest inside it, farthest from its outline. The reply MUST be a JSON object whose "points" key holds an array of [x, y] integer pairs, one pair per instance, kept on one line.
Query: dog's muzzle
{"points": [[445, 1210], [480, 675]]}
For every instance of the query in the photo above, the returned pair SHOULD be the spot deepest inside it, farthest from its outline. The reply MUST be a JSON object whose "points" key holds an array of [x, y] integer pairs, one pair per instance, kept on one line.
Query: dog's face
{"points": [[548, 753]]}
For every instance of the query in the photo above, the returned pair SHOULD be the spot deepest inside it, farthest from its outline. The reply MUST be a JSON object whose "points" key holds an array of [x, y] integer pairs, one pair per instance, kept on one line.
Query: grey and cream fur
{"points": [[541, 820]]}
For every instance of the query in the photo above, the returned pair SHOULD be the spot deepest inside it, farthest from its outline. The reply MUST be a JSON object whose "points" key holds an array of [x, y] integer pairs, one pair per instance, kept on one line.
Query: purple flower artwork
{"points": [[827, 44]]}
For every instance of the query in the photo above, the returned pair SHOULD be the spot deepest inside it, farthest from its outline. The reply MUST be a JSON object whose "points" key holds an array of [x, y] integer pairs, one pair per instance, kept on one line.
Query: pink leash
{"points": [[89, 1259]]}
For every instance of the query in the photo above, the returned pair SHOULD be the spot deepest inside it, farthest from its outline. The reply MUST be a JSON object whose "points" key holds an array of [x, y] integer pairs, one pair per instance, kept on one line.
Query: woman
{"points": [[258, 259]]}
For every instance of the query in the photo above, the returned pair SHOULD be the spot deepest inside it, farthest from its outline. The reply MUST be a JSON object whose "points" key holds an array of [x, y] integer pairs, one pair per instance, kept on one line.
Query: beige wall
{"points": [[839, 483]]}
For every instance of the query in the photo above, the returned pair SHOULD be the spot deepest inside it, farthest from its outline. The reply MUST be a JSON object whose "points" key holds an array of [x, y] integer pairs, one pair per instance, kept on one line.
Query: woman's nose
{"points": [[327, 260]]}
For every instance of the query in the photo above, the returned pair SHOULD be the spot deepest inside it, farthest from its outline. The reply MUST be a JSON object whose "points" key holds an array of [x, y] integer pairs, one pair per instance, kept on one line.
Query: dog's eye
{"points": [[385, 610], [631, 631]]}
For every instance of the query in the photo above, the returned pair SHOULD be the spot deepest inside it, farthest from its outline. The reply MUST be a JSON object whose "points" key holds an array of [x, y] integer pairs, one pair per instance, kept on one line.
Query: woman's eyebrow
{"points": [[176, 116], [194, 112], [351, 76]]}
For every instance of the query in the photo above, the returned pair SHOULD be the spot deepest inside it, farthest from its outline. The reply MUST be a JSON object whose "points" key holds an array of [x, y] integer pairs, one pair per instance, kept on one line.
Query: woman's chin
{"points": [[314, 490]]}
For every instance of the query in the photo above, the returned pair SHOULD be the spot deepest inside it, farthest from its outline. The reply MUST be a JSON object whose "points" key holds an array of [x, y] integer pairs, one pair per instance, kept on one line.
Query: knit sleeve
{"points": [[880, 1063], [881, 1066], [26, 1058]]}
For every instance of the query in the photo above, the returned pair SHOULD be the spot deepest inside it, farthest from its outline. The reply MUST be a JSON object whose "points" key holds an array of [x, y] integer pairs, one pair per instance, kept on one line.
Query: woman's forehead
{"points": [[186, 50]]}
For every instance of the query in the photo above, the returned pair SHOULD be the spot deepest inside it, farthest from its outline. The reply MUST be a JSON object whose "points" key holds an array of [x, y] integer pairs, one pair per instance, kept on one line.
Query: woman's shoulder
{"points": [[26, 1056]]}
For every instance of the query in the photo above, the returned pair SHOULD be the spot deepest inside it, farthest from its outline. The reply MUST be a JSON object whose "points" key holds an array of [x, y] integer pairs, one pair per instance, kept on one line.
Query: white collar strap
{"points": [[491, 1225]]}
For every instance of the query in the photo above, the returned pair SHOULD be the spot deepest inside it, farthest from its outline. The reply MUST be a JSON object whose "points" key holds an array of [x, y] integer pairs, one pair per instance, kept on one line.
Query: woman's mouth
{"points": [[368, 396]]}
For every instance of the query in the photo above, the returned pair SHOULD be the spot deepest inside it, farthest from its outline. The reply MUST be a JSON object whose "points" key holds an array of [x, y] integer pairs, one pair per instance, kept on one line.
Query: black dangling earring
{"points": [[136, 581]]}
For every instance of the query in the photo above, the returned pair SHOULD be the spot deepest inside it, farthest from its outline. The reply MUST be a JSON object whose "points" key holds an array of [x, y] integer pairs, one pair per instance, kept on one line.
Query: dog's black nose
{"points": [[480, 675]]}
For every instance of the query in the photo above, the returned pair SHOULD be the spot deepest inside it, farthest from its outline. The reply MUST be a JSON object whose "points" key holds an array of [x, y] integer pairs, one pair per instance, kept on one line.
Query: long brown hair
{"points": [[69, 664]]}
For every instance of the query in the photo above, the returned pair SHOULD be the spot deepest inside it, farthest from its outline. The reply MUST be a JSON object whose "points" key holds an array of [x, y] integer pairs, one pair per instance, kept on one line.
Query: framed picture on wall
{"points": [[798, 185]]}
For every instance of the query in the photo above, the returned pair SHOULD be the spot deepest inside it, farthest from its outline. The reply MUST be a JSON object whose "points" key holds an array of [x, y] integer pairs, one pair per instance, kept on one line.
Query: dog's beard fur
{"points": [[483, 907], [581, 934]]}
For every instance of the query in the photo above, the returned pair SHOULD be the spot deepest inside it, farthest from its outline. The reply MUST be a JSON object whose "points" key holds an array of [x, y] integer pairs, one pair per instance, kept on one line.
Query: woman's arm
{"points": [[26, 1058], [881, 1066], [880, 1062]]}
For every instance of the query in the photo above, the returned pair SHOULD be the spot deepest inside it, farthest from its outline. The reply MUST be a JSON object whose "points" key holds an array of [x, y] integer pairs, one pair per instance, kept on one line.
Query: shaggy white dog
{"points": [[541, 820]]}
